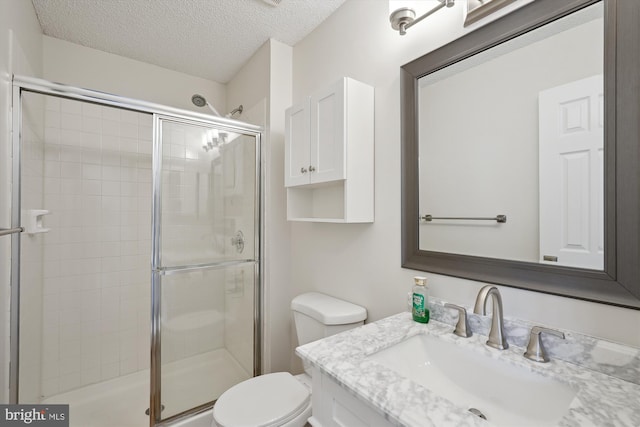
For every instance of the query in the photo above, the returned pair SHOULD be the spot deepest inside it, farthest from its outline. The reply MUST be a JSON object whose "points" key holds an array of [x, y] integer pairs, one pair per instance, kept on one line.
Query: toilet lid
{"points": [[262, 401]]}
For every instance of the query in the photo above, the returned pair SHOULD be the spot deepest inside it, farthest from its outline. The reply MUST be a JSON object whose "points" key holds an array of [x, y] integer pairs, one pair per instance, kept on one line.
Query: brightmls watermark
{"points": [[34, 415]]}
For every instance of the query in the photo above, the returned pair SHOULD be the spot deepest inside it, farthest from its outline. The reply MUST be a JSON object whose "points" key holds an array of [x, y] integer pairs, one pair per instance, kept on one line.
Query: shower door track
{"points": [[44, 87]]}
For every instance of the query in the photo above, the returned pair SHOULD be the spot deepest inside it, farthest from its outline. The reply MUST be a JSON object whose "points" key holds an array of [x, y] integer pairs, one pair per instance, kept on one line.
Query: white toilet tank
{"points": [[318, 315]]}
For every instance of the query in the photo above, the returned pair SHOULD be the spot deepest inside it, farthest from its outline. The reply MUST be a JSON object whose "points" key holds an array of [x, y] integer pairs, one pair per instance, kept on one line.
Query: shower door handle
{"points": [[7, 231]]}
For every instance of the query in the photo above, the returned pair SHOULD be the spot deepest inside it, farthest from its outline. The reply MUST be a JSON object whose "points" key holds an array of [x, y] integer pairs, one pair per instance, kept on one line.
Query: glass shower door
{"points": [[206, 270]]}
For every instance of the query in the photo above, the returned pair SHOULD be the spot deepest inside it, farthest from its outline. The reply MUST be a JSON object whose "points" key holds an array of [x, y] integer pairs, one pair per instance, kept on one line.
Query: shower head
{"points": [[200, 101]]}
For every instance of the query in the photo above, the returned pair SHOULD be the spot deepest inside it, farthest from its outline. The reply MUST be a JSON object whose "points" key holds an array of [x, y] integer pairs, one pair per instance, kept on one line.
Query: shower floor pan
{"points": [[122, 401]]}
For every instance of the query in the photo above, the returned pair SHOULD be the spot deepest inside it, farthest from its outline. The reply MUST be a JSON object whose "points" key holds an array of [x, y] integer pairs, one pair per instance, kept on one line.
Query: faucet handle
{"points": [[535, 349], [462, 327]]}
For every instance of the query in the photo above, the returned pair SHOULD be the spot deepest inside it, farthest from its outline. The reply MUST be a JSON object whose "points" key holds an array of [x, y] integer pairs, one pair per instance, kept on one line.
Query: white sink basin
{"points": [[507, 395]]}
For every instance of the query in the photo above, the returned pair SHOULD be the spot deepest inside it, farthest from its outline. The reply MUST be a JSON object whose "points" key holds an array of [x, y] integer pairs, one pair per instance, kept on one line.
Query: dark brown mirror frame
{"points": [[619, 283]]}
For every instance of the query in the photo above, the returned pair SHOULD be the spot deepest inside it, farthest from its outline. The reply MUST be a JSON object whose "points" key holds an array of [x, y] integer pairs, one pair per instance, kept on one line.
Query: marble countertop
{"points": [[602, 400]]}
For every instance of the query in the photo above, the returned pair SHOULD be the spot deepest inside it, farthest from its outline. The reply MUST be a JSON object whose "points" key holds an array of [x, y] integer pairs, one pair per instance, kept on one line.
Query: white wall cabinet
{"points": [[329, 155]]}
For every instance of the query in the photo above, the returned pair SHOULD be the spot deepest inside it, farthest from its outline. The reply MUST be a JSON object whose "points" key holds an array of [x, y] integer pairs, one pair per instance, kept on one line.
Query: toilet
{"points": [[280, 399]]}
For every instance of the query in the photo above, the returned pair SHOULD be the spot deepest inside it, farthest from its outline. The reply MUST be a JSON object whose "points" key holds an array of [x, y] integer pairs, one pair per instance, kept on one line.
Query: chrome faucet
{"points": [[462, 327], [535, 349], [496, 333]]}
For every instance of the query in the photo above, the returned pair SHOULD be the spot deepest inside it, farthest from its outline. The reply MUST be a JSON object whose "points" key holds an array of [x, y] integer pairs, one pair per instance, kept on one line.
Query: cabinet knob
{"points": [[303, 170], [311, 169]]}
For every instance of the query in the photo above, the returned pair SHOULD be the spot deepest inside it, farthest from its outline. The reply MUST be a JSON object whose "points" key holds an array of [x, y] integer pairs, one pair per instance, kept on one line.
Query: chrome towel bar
{"points": [[497, 218], [6, 231]]}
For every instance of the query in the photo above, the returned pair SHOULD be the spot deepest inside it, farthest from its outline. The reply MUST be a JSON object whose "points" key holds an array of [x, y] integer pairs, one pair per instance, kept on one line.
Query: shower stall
{"points": [[135, 282]]}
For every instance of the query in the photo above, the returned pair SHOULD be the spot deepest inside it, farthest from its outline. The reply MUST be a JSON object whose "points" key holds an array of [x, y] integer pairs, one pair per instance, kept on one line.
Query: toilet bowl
{"points": [[280, 399], [270, 400]]}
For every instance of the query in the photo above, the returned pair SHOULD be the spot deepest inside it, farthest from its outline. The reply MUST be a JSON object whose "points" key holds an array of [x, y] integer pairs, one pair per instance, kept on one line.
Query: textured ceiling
{"points": [[206, 38]]}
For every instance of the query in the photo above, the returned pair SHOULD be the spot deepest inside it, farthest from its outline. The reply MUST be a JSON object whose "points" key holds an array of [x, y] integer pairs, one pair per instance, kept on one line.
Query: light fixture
{"points": [[402, 14]]}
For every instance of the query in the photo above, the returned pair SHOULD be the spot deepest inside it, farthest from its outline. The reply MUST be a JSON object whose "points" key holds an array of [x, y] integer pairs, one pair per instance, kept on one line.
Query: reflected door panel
{"points": [[571, 174], [479, 146]]}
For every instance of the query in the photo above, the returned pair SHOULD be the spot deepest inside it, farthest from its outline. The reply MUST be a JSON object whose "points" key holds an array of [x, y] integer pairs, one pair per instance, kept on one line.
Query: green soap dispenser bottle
{"points": [[420, 303]]}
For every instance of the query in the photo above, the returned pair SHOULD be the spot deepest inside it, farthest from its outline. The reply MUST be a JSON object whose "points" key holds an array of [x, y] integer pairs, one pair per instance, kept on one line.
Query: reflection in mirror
{"points": [[517, 130], [618, 280]]}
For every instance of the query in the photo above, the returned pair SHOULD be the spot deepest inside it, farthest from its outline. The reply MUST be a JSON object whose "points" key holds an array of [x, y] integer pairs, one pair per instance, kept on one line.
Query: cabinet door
{"points": [[334, 406], [327, 156], [296, 152]]}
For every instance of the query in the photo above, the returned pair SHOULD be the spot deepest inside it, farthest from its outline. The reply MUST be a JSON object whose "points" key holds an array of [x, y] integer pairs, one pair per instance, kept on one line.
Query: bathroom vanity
{"points": [[372, 376]]}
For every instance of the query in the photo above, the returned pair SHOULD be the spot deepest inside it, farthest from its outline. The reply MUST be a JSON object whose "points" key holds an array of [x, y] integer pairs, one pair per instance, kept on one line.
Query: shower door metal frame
{"points": [[158, 271], [44, 87], [14, 281]]}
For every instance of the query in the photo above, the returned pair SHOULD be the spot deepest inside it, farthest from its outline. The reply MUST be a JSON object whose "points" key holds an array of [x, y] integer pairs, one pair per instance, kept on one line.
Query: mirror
{"points": [[517, 130], [455, 127]]}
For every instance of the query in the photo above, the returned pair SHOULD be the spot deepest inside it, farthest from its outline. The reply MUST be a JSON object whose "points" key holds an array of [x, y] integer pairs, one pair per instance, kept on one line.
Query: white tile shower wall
{"points": [[97, 185]]}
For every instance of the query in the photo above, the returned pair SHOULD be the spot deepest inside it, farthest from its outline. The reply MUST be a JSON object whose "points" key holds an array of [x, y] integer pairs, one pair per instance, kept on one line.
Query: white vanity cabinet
{"points": [[329, 154], [333, 406]]}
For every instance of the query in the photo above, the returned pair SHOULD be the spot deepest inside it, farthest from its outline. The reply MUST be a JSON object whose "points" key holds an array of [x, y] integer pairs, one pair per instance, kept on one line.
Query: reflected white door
{"points": [[571, 174]]}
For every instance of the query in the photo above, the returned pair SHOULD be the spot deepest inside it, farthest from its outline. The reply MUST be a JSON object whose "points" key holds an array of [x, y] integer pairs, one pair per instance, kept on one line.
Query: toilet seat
{"points": [[265, 401]]}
